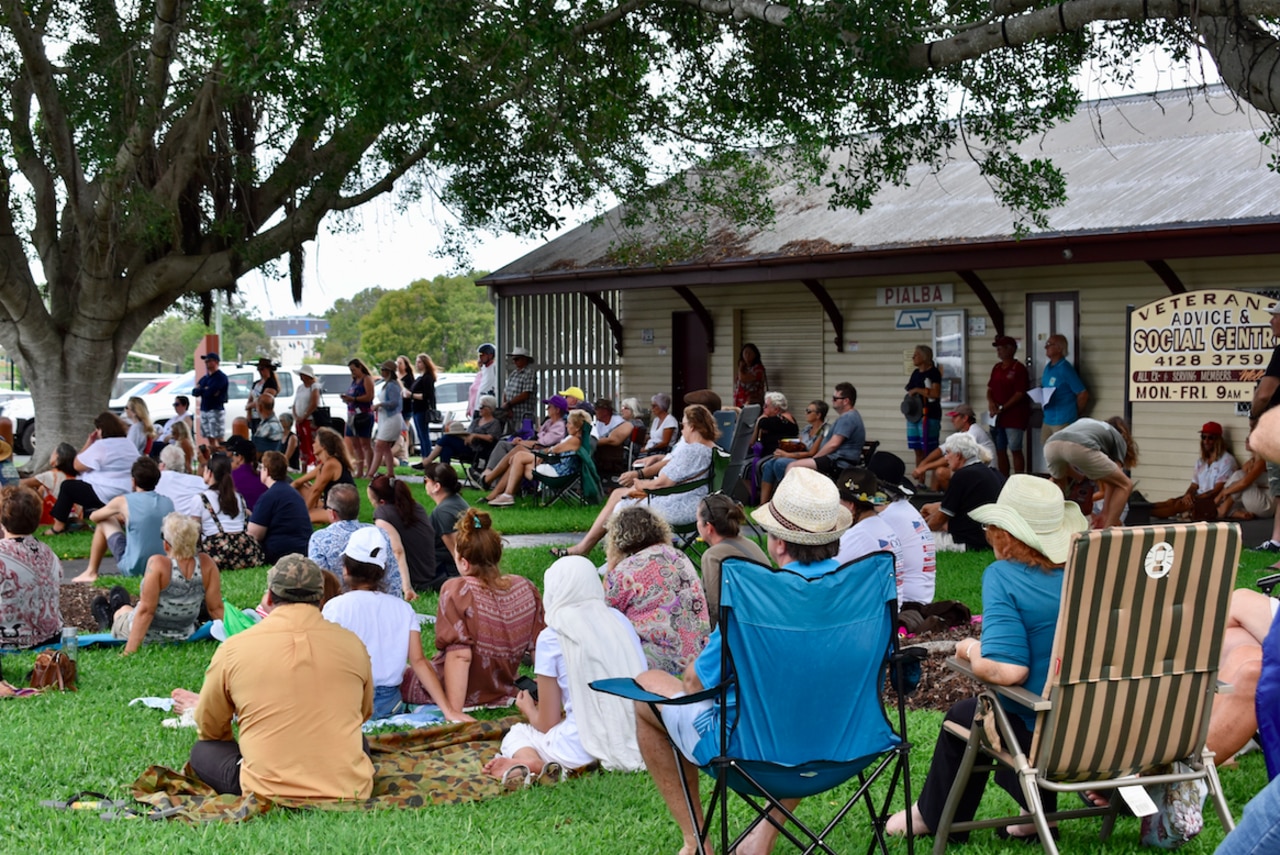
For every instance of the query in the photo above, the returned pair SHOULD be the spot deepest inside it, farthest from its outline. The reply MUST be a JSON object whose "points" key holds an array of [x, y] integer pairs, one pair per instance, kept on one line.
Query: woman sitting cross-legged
{"points": [[522, 462], [1030, 527], [486, 623], [176, 584], [570, 725], [657, 588], [689, 460], [387, 625]]}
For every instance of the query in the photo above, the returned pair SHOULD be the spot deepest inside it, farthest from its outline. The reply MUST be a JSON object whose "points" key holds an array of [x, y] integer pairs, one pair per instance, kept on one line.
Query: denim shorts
{"points": [[1007, 438]]}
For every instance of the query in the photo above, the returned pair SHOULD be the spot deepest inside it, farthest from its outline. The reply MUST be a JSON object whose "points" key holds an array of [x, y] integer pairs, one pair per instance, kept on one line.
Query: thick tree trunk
{"points": [[69, 388], [70, 360]]}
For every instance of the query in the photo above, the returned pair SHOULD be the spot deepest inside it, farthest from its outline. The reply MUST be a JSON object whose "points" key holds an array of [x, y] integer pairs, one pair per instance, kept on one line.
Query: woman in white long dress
{"points": [[570, 725]]}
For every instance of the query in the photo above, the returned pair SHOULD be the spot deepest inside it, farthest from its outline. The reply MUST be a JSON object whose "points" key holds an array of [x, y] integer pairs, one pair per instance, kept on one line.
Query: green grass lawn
{"points": [[58, 744]]}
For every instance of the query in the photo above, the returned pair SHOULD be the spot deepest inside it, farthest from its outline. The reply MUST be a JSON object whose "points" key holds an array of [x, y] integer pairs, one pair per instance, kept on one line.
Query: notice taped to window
{"points": [[1199, 346]]}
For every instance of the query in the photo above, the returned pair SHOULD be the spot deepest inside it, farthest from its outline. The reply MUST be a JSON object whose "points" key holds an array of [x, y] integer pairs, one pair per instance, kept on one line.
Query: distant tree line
{"points": [[447, 318]]}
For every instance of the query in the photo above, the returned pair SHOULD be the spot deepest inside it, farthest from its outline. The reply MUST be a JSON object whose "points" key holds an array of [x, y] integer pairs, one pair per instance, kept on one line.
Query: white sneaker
{"points": [[506, 500]]}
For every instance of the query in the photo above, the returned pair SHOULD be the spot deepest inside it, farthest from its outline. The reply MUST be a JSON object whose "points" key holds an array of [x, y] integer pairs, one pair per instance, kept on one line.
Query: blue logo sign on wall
{"points": [[913, 319]]}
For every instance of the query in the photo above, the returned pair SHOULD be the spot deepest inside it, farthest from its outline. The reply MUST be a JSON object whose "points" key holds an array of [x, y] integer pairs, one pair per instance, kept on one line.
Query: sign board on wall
{"points": [[914, 295], [1199, 346]]}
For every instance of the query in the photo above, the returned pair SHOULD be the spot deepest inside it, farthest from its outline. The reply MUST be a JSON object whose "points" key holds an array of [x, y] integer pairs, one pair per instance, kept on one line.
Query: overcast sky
{"points": [[393, 248]]}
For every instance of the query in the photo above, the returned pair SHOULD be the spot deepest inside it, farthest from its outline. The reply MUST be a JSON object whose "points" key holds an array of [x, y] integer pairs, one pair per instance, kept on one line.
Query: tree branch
{"points": [[44, 235], [1018, 30], [385, 184], [1248, 59], [19, 298], [41, 76], [608, 18], [761, 10], [164, 32]]}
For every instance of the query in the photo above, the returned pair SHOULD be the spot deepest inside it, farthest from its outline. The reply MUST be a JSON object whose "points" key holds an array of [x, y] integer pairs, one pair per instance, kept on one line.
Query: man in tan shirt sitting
{"points": [[301, 687]]}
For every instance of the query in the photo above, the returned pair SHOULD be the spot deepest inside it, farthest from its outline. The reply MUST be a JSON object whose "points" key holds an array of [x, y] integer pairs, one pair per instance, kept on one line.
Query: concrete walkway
{"points": [[73, 567]]}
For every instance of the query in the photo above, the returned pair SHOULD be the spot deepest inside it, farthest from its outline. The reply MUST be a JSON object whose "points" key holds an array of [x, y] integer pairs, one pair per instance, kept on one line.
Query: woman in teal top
{"points": [[1021, 593]]}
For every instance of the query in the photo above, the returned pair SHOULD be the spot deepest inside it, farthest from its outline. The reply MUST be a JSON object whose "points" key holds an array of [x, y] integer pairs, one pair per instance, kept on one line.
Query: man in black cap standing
{"points": [[486, 382], [211, 391]]}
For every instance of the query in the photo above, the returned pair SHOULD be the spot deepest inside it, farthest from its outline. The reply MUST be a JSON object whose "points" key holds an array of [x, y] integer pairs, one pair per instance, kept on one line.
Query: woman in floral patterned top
{"points": [[657, 588], [30, 574], [487, 621]]}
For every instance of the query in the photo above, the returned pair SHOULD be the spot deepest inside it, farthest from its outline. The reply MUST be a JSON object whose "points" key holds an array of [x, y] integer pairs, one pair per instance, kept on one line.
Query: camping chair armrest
{"points": [[1267, 583], [1226, 688], [627, 687], [1017, 694], [682, 487], [552, 456]]}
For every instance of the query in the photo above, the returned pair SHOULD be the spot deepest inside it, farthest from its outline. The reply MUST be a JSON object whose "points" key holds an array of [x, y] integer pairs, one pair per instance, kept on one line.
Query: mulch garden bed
{"points": [[940, 687], [74, 601]]}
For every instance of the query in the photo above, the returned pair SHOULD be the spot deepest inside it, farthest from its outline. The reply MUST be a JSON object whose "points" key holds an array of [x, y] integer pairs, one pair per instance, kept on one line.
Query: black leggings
{"points": [[75, 492], [947, 755]]}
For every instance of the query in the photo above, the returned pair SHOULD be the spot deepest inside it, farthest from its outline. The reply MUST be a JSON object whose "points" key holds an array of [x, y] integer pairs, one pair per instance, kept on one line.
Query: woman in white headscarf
{"points": [[584, 640]]}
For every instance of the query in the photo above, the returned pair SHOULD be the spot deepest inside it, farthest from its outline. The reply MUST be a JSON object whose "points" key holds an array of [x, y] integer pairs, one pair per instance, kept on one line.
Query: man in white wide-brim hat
{"points": [[804, 522], [1030, 527]]}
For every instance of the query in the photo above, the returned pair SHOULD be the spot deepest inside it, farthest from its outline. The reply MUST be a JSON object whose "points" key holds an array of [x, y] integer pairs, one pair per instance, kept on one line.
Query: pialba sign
{"points": [[1199, 346]]}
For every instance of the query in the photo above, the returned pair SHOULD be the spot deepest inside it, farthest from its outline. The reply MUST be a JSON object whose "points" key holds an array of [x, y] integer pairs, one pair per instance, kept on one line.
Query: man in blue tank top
{"points": [[130, 525]]}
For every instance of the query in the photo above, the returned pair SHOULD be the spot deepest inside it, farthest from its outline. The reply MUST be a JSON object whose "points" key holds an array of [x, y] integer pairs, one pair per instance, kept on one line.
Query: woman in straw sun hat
{"points": [[1030, 527], [807, 513]]}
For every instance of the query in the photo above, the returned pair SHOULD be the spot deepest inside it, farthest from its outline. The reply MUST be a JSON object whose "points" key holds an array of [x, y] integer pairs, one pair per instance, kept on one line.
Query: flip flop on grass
{"points": [[87, 800]]}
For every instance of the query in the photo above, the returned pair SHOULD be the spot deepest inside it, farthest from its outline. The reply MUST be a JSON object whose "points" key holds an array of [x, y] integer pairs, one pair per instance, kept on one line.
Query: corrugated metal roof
{"points": [[1167, 160]]}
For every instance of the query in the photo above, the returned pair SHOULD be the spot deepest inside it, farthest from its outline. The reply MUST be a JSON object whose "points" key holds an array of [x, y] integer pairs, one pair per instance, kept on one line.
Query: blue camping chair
{"points": [[800, 711]]}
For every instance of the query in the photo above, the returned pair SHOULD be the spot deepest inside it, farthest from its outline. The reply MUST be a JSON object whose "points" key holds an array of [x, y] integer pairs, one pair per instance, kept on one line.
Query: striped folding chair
{"points": [[1135, 667]]}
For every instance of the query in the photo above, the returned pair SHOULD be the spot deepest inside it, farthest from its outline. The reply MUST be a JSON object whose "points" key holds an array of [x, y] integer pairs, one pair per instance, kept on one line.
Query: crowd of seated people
{"points": [[655, 607]]}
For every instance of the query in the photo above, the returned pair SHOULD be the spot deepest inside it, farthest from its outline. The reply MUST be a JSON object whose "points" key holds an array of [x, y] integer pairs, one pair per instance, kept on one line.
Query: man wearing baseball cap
{"points": [[1009, 405], [804, 522], [301, 688], [577, 400], [211, 391], [1213, 467], [963, 420], [486, 381]]}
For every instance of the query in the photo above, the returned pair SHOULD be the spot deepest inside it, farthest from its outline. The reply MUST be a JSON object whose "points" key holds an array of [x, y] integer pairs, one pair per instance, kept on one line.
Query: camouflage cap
{"points": [[296, 579]]}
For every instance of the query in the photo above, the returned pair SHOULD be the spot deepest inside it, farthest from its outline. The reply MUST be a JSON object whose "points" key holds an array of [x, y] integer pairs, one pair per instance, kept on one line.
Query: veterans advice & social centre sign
{"points": [[1199, 346]]}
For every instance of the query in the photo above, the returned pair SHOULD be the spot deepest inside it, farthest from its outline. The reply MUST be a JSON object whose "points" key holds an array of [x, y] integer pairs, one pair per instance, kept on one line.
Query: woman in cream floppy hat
{"points": [[1030, 528]]}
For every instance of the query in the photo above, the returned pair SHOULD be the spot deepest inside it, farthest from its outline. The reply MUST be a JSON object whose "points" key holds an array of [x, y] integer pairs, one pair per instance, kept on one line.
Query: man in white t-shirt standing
{"points": [[486, 382]]}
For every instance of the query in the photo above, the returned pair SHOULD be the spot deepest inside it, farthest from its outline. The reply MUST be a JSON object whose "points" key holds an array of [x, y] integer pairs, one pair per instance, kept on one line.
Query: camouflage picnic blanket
{"points": [[430, 766]]}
